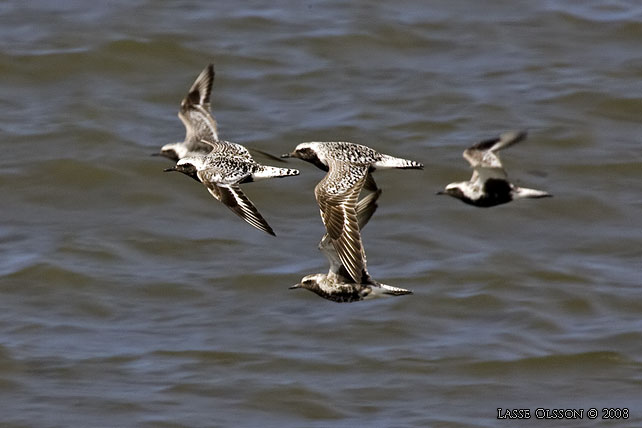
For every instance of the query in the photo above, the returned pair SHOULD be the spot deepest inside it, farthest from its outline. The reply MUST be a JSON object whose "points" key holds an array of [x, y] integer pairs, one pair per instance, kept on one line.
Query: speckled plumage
{"points": [[337, 285], [196, 115], [201, 129], [349, 167], [489, 185], [222, 171], [319, 153]]}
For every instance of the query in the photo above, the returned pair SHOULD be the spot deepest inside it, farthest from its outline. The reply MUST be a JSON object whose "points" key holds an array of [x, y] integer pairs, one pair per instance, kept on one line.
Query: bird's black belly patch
{"points": [[496, 191]]}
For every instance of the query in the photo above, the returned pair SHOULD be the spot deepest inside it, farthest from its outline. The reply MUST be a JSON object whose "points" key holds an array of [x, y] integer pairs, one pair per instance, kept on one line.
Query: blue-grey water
{"points": [[131, 298]]}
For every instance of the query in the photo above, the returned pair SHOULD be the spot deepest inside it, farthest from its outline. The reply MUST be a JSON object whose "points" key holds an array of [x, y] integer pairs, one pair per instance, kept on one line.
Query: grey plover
{"points": [[349, 167], [489, 185], [196, 115], [338, 285], [318, 154], [222, 171]]}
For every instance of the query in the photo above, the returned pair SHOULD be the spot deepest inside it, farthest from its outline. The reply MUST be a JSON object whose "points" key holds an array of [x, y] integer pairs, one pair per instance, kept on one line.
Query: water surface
{"points": [[129, 297]]}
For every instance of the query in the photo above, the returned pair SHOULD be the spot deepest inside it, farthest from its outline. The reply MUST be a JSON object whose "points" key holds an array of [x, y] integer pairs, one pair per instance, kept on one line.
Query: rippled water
{"points": [[129, 297]]}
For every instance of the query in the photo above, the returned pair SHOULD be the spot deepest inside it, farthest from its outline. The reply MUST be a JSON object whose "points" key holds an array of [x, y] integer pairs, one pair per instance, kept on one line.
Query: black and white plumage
{"points": [[349, 167], [196, 115], [223, 170], [319, 154], [337, 285], [489, 185]]}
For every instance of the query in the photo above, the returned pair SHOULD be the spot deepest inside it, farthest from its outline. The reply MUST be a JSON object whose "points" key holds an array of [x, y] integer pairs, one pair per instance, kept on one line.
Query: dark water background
{"points": [[130, 298]]}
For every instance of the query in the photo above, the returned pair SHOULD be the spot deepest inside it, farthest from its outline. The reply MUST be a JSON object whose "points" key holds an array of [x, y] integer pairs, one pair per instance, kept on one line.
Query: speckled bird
{"points": [[196, 115], [201, 129], [223, 170], [350, 168], [338, 285]]}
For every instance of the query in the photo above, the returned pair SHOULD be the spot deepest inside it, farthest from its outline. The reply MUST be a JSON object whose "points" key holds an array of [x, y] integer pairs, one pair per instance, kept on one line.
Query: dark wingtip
{"points": [[267, 155], [521, 134], [485, 144], [266, 228]]}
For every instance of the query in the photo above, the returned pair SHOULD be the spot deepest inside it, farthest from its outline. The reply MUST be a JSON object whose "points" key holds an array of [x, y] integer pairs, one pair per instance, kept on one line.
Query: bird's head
{"points": [[308, 152], [453, 189], [309, 282], [188, 166]]}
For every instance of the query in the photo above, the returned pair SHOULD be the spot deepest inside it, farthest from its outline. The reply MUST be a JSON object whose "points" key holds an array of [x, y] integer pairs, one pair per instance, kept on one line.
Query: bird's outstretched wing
{"points": [[195, 111], [365, 209], [234, 198], [483, 156], [337, 194]]}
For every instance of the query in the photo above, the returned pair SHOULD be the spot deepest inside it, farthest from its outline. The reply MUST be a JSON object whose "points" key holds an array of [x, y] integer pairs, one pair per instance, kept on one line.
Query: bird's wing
{"points": [[370, 183], [228, 149], [365, 209], [484, 154], [484, 159], [337, 194], [195, 110], [336, 267], [234, 198]]}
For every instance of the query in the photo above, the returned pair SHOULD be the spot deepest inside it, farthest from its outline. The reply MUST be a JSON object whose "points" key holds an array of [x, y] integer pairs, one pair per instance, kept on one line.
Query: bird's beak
{"points": [[441, 192], [155, 154], [295, 286], [173, 168], [286, 155]]}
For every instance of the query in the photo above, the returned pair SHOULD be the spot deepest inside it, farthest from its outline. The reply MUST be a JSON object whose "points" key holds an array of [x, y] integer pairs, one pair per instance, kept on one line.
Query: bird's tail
{"points": [[393, 162], [523, 192], [272, 171], [393, 291]]}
